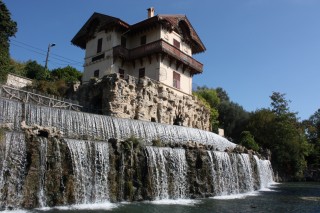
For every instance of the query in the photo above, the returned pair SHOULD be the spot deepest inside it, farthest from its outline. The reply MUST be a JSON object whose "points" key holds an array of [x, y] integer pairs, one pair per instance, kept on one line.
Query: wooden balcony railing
{"points": [[159, 46]]}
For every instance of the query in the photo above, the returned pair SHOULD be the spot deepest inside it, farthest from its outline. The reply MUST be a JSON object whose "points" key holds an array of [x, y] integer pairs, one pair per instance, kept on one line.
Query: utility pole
{"points": [[47, 58]]}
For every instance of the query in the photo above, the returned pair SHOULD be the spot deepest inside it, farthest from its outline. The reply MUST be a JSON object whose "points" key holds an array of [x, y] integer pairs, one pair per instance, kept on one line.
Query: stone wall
{"points": [[143, 99]]}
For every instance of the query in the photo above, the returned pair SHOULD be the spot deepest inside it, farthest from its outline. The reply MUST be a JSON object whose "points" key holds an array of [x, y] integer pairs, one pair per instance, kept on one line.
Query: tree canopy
{"points": [[278, 129], [8, 28]]}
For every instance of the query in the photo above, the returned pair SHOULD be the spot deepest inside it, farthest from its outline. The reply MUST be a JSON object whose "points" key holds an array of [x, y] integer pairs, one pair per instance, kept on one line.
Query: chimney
{"points": [[150, 12]]}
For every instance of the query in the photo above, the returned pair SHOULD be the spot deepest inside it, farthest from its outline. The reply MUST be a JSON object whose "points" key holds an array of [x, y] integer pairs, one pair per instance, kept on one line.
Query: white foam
{"points": [[91, 206], [235, 196], [44, 208], [185, 202], [15, 211]]}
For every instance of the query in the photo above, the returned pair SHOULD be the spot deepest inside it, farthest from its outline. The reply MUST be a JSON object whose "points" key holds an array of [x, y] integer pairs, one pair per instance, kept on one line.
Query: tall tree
{"points": [[279, 130], [232, 117], [8, 28]]}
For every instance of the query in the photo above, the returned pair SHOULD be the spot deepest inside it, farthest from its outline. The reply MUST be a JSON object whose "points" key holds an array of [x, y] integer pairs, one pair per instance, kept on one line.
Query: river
{"points": [[286, 197]]}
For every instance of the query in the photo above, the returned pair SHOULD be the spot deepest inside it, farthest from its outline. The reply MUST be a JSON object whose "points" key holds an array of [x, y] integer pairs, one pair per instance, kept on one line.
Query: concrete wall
{"points": [[18, 81]]}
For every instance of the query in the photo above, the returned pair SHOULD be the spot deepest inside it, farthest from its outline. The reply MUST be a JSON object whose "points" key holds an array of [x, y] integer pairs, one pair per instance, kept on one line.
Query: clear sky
{"points": [[254, 47]]}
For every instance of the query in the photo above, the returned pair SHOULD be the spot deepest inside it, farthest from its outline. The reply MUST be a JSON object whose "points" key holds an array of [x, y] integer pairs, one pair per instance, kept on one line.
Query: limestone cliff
{"points": [[143, 99]]}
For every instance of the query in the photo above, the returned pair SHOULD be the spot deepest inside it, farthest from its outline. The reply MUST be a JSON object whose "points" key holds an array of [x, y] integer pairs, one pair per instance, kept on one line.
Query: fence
{"points": [[33, 97]]}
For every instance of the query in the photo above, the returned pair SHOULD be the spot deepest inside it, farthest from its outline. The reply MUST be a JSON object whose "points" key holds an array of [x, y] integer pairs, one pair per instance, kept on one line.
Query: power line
{"points": [[28, 49], [64, 59]]}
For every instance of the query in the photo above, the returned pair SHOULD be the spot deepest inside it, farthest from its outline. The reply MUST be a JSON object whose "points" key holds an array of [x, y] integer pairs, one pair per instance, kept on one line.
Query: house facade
{"points": [[159, 47]]}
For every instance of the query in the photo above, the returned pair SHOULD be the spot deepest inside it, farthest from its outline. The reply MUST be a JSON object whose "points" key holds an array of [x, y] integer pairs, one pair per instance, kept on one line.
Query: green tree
{"points": [[312, 130], [232, 117], [222, 94], [36, 71], [68, 74], [247, 140], [17, 67], [210, 99], [279, 130], [8, 28], [261, 126]]}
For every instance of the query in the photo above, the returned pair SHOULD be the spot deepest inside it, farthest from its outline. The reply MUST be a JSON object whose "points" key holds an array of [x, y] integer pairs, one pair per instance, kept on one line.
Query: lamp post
{"points": [[49, 46]]}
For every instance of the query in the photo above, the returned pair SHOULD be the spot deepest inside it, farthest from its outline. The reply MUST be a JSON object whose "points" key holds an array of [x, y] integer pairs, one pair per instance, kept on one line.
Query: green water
{"points": [[288, 197]]}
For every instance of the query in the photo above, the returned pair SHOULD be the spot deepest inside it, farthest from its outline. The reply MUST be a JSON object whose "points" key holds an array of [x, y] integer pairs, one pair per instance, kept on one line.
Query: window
{"points": [[98, 57], [143, 40], [121, 72], [99, 46], [142, 72], [123, 41], [176, 43], [176, 80], [96, 73]]}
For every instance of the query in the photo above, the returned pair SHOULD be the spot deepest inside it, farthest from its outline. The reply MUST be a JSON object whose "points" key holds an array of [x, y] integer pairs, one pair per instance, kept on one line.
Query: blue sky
{"points": [[254, 47]]}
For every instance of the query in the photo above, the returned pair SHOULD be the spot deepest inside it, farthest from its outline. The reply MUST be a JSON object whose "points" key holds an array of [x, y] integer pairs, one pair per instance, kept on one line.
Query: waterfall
{"points": [[98, 127], [179, 167], [245, 173], [12, 167], [231, 173], [44, 178], [224, 174], [43, 164], [265, 172], [167, 169], [10, 113], [90, 162]]}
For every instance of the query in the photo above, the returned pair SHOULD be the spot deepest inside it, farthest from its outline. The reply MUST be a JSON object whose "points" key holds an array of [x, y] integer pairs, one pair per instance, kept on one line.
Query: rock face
{"points": [[143, 99]]}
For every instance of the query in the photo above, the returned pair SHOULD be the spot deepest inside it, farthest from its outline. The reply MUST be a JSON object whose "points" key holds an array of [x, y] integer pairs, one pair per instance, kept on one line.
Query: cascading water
{"points": [[73, 167], [90, 161], [12, 167], [97, 127], [231, 173], [178, 164], [245, 173], [158, 173], [224, 174], [10, 113], [265, 172], [168, 169], [43, 164]]}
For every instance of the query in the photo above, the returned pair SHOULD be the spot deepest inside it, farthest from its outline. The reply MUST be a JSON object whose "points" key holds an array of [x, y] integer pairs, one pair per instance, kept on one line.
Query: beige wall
{"points": [[168, 37], [166, 76], [157, 70], [105, 65], [151, 35]]}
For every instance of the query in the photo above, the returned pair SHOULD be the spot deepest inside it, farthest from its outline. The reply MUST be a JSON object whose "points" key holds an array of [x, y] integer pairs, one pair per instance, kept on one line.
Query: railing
{"points": [[159, 46], [32, 97]]}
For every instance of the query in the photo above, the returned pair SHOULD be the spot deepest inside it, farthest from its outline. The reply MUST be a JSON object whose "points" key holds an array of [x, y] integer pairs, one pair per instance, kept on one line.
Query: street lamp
{"points": [[49, 46]]}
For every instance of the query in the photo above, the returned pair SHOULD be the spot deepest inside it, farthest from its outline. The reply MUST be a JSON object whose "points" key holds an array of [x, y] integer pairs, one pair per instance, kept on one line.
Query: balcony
{"points": [[159, 46]]}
